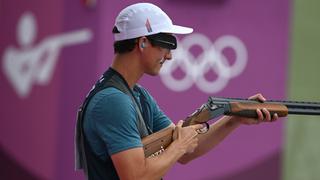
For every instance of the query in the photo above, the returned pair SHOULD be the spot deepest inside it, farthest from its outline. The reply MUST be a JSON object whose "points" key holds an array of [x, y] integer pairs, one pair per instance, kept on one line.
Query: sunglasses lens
{"points": [[163, 40]]}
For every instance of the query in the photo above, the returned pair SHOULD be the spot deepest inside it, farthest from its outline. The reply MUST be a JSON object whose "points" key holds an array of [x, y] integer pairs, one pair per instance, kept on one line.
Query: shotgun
{"points": [[157, 142]]}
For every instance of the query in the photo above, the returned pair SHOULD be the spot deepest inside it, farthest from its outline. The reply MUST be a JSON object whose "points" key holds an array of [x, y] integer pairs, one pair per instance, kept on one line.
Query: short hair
{"points": [[123, 46]]}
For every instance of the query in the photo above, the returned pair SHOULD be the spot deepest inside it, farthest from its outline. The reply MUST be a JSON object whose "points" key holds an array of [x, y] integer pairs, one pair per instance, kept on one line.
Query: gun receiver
{"points": [[216, 106]]}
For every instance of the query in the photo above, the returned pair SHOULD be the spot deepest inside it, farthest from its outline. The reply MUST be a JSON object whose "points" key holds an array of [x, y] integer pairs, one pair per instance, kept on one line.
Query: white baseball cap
{"points": [[143, 19]]}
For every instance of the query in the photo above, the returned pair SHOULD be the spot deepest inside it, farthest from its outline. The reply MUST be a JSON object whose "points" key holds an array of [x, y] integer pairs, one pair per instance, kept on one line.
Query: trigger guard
{"points": [[204, 129]]}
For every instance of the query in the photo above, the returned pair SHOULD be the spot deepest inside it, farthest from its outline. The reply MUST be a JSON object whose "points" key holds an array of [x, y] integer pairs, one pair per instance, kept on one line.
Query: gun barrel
{"points": [[294, 107], [299, 107], [303, 111], [297, 104]]}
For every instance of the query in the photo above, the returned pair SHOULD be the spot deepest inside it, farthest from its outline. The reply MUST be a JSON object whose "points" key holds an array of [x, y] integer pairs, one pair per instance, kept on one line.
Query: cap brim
{"points": [[175, 29]]}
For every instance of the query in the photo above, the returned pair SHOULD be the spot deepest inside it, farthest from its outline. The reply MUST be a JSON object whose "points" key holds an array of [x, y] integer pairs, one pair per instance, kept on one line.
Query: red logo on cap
{"points": [[148, 26]]}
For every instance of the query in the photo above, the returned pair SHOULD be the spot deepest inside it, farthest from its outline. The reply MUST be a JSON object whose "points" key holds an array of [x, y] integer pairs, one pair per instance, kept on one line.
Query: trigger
{"points": [[204, 129]]}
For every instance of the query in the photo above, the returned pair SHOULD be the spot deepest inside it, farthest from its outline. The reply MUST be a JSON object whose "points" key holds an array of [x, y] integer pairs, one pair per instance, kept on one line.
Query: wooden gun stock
{"points": [[158, 141]]}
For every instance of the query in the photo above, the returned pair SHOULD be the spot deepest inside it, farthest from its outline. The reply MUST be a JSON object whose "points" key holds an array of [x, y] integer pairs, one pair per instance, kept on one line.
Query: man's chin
{"points": [[154, 73]]}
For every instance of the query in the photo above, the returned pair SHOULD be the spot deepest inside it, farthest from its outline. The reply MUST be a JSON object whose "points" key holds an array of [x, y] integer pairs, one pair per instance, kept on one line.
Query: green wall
{"points": [[301, 160]]}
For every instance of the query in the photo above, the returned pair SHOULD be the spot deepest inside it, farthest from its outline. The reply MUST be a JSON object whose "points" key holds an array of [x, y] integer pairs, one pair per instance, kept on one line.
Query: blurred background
{"points": [[52, 52]]}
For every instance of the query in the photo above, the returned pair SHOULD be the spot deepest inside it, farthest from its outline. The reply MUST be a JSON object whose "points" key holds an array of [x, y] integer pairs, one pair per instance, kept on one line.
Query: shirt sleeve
{"points": [[160, 120], [115, 122]]}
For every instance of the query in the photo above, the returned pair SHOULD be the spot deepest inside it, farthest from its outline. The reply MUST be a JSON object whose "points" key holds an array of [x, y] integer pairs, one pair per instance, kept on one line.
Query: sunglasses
{"points": [[163, 40]]}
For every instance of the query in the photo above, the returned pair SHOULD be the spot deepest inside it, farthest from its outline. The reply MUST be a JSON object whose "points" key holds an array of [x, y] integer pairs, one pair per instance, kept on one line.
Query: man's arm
{"points": [[132, 164], [219, 130]]}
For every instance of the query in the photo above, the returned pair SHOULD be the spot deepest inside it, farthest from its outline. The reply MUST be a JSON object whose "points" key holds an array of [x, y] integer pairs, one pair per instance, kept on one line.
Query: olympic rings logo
{"points": [[211, 58]]}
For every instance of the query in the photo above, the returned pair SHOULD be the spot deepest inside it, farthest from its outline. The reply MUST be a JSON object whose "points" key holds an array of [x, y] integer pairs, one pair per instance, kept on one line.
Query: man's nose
{"points": [[168, 55]]}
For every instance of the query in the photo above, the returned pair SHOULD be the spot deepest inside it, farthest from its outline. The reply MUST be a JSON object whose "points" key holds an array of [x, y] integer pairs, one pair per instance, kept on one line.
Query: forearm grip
{"points": [[249, 109]]}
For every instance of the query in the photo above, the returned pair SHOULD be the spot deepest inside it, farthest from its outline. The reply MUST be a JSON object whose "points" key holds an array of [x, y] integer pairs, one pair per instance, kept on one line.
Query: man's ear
{"points": [[142, 42]]}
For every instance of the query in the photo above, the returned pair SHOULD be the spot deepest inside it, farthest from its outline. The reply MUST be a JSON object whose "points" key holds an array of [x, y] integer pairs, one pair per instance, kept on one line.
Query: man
{"points": [[118, 112]]}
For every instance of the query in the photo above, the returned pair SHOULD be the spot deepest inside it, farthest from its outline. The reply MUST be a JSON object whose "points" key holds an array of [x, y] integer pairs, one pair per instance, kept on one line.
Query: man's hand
{"points": [[263, 114], [185, 138]]}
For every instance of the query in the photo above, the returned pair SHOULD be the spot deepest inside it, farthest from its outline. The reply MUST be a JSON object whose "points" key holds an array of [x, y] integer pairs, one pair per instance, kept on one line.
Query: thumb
{"points": [[198, 126], [179, 124], [176, 133]]}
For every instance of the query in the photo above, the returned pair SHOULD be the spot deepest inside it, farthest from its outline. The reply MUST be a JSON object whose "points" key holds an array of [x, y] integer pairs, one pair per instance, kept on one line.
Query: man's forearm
{"points": [[157, 166], [132, 164], [185, 140], [217, 133]]}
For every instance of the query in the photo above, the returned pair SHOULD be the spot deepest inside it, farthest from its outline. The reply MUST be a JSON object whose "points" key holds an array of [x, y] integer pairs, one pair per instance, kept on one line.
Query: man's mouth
{"points": [[162, 61]]}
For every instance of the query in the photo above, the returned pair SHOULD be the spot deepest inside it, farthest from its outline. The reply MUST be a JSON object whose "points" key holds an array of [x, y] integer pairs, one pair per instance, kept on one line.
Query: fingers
{"points": [[183, 130], [265, 115], [186, 137], [274, 117], [260, 115], [258, 97], [195, 126]]}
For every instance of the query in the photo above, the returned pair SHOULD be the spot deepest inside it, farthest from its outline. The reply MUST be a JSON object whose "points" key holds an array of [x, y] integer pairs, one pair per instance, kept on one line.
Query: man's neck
{"points": [[129, 67]]}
